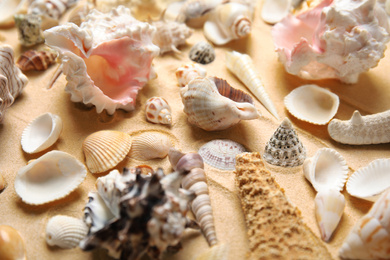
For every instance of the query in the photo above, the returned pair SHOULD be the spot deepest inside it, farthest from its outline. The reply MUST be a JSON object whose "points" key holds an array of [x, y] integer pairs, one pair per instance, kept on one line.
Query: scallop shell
{"points": [[274, 11], [212, 104], [48, 178], [202, 52], [371, 181], [36, 60], [369, 238], [169, 35], [329, 207], [284, 148], [11, 244], [65, 231], [327, 169], [103, 150], [149, 145], [29, 29], [8, 8], [157, 110], [312, 104], [359, 130], [41, 133], [188, 72], [221, 153], [228, 22]]}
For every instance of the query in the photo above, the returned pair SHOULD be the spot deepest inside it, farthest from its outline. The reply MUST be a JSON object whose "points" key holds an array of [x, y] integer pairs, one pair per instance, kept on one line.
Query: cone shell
{"points": [[329, 207], [150, 145], [50, 177], [327, 169], [65, 231], [188, 72], [36, 60], [11, 244], [157, 110], [103, 150], [371, 181], [41, 133], [312, 104]]}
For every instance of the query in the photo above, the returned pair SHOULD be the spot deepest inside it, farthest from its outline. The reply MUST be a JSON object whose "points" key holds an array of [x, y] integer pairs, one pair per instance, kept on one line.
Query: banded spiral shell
{"points": [[103, 150], [202, 52], [150, 145], [65, 231], [36, 60], [11, 244], [157, 110]]}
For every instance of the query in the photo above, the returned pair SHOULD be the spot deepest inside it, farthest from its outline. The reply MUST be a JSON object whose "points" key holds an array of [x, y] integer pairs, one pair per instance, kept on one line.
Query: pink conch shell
{"points": [[107, 59], [335, 39]]}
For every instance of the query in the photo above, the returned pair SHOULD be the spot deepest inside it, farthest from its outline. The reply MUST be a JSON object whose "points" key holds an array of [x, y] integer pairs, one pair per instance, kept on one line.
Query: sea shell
{"points": [[36, 60], [359, 130], [157, 110], [369, 238], [48, 178], [387, 7], [371, 181], [220, 252], [212, 104], [12, 80], [327, 169], [202, 52], [221, 153], [29, 29], [41, 133], [51, 8], [169, 35], [9, 8], [79, 13], [284, 148], [312, 104], [242, 66], [329, 207], [188, 72], [149, 145], [107, 59], [2, 183], [335, 39], [65, 231], [274, 11], [103, 150], [228, 22], [196, 181], [11, 244]]}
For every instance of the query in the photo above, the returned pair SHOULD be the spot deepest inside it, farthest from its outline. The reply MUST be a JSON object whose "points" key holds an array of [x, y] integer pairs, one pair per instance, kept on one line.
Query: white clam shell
{"points": [[150, 145], [48, 178], [65, 231], [41, 133], [327, 169], [221, 153], [274, 11], [312, 104], [371, 181]]}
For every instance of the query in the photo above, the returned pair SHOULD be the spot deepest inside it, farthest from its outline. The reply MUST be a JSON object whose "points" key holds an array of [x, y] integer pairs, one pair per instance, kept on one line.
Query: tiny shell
{"points": [[371, 181], [188, 72], [274, 11], [29, 29], [157, 110], [103, 150], [149, 145], [36, 60], [202, 53], [221, 153], [284, 148], [48, 178], [65, 231], [41, 133], [169, 35], [11, 244], [312, 104], [327, 169], [2, 183]]}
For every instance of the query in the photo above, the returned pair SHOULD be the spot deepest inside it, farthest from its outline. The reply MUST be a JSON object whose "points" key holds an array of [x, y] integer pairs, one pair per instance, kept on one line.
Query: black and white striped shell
{"points": [[202, 53]]}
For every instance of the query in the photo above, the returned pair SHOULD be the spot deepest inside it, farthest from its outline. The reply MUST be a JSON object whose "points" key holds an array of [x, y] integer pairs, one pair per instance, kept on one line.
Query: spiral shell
{"points": [[157, 110], [36, 60], [65, 231], [188, 72], [149, 145], [202, 53]]}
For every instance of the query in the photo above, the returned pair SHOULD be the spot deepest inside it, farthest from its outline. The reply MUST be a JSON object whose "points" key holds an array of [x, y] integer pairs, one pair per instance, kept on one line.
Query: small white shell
{"points": [[149, 145], [41, 133], [371, 181], [202, 52], [329, 207], [157, 110], [48, 178], [312, 104], [169, 35], [65, 231], [274, 11], [327, 169], [221, 153], [188, 72]]}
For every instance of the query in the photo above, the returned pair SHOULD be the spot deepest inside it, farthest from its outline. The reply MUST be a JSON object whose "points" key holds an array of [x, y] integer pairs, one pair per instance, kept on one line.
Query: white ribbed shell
{"points": [[150, 145]]}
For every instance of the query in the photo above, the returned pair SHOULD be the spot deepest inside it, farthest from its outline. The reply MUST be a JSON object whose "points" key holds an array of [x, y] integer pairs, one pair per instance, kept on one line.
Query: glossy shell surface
{"points": [[202, 52]]}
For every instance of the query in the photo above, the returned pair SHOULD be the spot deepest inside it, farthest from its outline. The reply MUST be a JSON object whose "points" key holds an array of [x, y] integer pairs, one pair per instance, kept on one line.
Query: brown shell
{"points": [[226, 90], [36, 60]]}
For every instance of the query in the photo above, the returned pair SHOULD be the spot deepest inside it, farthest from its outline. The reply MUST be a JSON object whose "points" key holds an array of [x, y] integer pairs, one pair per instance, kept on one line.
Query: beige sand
{"points": [[370, 95]]}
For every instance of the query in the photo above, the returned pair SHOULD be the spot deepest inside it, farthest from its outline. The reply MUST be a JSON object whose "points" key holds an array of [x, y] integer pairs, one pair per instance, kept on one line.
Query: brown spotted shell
{"points": [[36, 60], [157, 110]]}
